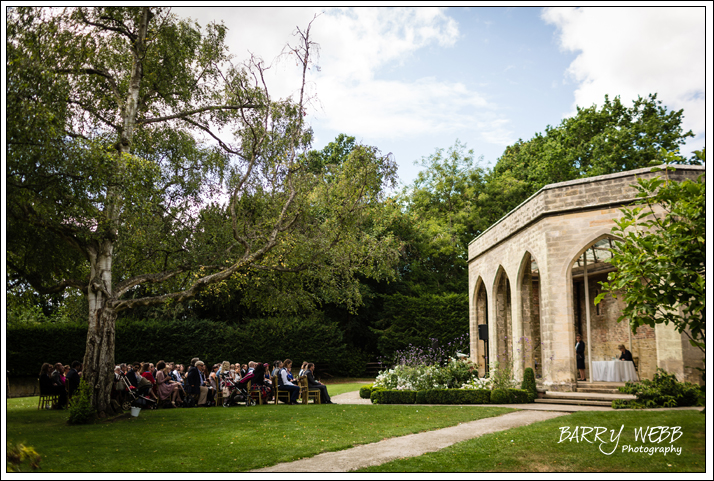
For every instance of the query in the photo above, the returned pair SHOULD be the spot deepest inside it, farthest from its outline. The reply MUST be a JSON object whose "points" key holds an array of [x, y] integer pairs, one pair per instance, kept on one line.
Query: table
{"points": [[614, 371]]}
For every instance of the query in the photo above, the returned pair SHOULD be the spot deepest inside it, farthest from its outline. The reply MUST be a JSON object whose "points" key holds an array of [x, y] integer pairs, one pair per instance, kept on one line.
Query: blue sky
{"points": [[411, 80]]}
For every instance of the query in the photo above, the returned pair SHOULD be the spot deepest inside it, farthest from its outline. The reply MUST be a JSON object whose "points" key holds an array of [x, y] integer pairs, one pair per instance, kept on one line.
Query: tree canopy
{"points": [[145, 166], [661, 258]]}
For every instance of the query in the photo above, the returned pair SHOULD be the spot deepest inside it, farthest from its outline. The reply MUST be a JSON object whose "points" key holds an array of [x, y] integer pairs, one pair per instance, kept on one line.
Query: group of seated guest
{"points": [[169, 382], [59, 380], [287, 381]]}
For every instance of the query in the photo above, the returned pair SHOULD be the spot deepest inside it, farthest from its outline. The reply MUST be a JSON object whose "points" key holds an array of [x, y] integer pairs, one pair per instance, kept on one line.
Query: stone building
{"points": [[533, 277]]}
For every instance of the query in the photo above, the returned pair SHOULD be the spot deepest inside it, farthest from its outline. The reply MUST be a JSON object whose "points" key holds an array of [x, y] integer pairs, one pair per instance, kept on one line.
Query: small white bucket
{"points": [[135, 411]]}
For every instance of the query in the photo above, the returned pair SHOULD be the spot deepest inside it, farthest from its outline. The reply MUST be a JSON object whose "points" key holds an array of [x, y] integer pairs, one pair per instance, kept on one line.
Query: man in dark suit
{"points": [[132, 374], [195, 384], [73, 378], [311, 382]]}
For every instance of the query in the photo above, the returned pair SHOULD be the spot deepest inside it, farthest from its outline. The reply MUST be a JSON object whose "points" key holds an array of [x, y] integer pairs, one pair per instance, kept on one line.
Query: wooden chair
{"points": [[218, 398], [255, 392], [281, 392], [46, 400], [636, 362], [308, 392]]}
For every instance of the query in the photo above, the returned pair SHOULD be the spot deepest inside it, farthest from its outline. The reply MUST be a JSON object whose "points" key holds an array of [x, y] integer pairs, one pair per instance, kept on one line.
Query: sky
{"points": [[411, 80]]}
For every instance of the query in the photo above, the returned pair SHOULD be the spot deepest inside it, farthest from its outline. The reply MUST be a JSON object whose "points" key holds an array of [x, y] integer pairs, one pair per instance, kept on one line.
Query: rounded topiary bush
{"points": [[365, 391], [529, 384], [500, 396]]}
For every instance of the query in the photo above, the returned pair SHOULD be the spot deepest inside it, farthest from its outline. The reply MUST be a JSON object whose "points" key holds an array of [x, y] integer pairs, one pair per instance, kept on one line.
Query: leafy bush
{"points": [[421, 397], [663, 391], [501, 375], [365, 391], [81, 410], [529, 384], [392, 397], [500, 396], [423, 377], [510, 396], [18, 454]]}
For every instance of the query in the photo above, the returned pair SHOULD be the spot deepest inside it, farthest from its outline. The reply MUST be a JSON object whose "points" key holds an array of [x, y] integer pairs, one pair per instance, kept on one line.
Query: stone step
{"points": [[584, 396], [575, 402], [598, 390]]}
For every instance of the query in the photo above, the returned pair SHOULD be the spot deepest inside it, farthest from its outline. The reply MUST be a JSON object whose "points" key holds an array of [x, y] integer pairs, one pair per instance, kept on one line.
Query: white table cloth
{"points": [[614, 371]]}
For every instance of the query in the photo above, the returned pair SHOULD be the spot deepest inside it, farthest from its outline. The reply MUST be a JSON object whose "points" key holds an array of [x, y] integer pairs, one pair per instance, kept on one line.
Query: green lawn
{"points": [[218, 439], [340, 388], [536, 448]]}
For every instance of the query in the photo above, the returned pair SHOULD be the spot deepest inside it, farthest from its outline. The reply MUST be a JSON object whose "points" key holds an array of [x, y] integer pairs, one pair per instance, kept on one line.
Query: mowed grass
{"points": [[333, 389], [218, 439], [536, 448]]}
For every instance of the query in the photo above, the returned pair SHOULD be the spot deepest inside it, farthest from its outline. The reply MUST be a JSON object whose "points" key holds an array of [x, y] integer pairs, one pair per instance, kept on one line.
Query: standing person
{"points": [[285, 383], [73, 378], [311, 382], [580, 356]]}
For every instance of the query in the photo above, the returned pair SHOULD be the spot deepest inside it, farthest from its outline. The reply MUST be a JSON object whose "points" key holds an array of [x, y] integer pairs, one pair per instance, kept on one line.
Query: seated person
{"points": [[133, 375], [146, 374], [276, 368], [166, 386], [312, 383], [48, 387], [72, 379], [259, 381], [196, 383], [285, 383], [626, 355]]}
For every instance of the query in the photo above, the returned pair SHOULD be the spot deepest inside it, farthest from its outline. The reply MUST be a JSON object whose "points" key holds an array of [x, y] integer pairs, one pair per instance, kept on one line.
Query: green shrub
{"points": [[510, 396], [17, 455], [386, 396], [456, 396], [421, 397], [663, 391], [500, 396], [529, 384], [365, 391], [81, 410]]}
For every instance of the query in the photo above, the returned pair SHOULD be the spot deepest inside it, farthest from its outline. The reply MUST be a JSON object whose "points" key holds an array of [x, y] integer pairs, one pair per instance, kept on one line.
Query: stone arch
{"points": [[502, 340], [479, 351], [605, 332], [530, 344]]}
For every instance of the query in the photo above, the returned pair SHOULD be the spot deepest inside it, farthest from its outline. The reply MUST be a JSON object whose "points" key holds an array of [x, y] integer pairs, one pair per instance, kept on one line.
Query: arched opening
{"points": [[605, 333], [530, 345], [481, 309], [504, 337]]}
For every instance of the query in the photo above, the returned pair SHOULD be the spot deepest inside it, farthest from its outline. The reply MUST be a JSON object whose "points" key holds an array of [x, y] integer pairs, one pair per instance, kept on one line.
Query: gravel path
{"points": [[409, 445]]}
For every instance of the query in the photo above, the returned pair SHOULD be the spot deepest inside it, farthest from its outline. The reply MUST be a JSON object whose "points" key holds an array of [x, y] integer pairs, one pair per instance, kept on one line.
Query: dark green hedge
{"points": [[392, 397], [365, 391], [510, 396], [311, 339], [455, 396], [416, 319], [450, 396]]}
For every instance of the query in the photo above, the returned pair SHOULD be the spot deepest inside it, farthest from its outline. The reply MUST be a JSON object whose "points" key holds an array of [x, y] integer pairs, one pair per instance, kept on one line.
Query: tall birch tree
{"points": [[128, 131]]}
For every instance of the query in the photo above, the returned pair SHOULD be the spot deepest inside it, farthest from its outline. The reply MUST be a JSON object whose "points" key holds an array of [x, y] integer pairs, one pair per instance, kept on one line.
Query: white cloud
{"points": [[355, 44], [637, 51]]}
